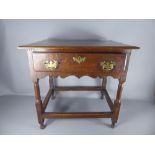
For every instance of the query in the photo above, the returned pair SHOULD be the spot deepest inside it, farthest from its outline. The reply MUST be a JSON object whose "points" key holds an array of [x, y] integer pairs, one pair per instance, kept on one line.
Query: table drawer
{"points": [[78, 63]]}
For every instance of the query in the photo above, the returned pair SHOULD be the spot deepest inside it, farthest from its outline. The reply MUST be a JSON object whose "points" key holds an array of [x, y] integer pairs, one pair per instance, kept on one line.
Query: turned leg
{"points": [[104, 83], [117, 103], [38, 104], [51, 85]]}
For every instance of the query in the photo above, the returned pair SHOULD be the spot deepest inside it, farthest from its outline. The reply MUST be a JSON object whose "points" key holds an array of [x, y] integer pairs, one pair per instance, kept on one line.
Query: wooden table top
{"points": [[52, 44]]}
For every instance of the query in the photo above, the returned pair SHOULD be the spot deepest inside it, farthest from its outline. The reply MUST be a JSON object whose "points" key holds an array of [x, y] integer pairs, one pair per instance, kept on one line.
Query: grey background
{"points": [[14, 71]]}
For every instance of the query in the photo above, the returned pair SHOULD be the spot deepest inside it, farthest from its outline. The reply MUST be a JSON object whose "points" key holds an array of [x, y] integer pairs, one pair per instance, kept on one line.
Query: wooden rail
{"points": [[78, 88], [77, 115]]}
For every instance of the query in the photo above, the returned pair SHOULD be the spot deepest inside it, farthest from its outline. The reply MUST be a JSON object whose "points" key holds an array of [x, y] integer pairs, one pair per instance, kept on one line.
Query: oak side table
{"points": [[79, 58]]}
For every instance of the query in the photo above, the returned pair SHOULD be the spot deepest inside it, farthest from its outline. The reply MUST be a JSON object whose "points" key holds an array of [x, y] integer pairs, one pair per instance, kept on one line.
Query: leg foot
{"points": [[42, 126], [112, 125], [53, 96], [102, 97], [113, 122]]}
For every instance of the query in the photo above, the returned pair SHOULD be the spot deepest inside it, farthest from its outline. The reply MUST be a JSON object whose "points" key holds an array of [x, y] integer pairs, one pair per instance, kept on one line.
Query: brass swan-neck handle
{"points": [[108, 65], [51, 64]]}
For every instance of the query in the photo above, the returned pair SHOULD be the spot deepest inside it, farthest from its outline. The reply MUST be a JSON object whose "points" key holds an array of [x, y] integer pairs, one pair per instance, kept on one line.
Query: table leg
{"points": [[117, 102], [104, 83], [51, 85], [38, 104]]}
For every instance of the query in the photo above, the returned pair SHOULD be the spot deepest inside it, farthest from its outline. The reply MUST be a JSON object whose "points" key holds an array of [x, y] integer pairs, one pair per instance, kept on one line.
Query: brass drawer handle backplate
{"points": [[51, 64], [79, 59], [108, 65]]}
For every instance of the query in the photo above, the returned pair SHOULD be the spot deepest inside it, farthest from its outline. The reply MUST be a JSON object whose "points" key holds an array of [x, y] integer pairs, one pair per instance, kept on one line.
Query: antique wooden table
{"points": [[79, 58]]}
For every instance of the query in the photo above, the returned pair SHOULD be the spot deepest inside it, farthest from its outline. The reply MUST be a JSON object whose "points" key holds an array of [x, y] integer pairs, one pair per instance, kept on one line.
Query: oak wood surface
{"points": [[95, 52], [77, 115], [70, 44], [67, 64], [78, 88]]}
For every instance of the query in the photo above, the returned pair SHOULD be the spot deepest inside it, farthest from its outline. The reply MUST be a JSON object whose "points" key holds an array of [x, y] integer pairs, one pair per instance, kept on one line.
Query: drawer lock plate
{"points": [[79, 59]]}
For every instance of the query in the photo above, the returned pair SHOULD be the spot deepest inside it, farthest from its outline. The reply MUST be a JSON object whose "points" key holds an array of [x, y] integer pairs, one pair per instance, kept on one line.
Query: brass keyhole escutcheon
{"points": [[79, 59], [108, 65], [51, 64]]}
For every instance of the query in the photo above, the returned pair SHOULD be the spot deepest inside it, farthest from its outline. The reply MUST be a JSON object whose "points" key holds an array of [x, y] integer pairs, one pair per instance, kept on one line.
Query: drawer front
{"points": [[79, 63]]}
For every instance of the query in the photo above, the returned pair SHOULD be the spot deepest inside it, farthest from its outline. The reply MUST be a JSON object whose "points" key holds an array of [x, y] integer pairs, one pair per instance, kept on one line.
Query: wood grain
{"points": [[94, 53]]}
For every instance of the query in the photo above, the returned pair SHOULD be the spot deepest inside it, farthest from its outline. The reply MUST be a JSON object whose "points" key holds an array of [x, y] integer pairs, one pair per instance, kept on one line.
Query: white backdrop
{"points": [[14, 70]]}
